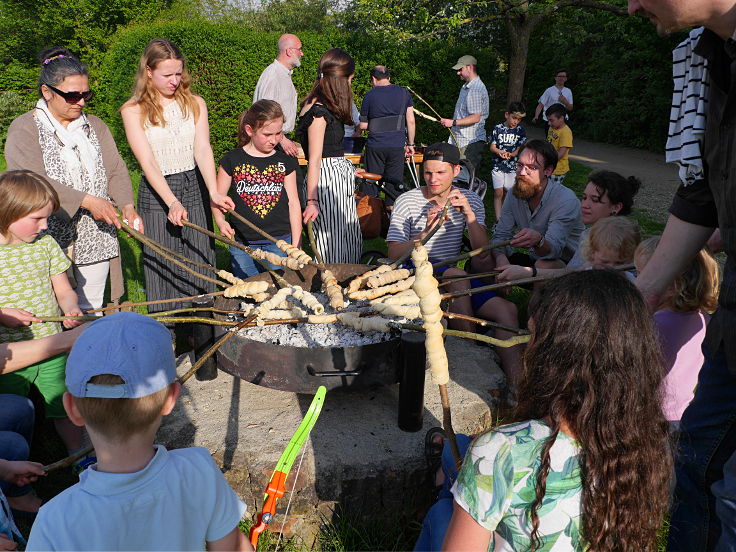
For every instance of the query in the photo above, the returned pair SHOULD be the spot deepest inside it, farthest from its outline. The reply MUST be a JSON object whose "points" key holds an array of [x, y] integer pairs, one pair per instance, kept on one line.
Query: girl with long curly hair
{"points": [[167, 129], [586, 465], [330, 176]]}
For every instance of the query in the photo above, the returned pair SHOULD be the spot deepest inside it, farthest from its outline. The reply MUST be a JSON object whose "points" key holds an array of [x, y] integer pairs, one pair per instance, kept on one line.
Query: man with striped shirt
{"points": [[414, 214]]}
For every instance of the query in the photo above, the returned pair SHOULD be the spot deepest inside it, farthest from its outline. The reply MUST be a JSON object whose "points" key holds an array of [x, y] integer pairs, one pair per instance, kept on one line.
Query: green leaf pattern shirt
{"points": [[496, 486], [25, 272]]}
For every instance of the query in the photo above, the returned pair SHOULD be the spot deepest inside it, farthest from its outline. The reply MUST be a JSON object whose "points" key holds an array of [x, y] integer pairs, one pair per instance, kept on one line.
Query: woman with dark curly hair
{"points": [[586, 465]]}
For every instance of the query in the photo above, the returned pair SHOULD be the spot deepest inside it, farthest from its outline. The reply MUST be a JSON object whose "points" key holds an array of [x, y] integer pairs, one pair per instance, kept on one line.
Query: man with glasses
{"points": [[275, 84], [557, 94], [387, 113], [471, 111], [540, 215]]}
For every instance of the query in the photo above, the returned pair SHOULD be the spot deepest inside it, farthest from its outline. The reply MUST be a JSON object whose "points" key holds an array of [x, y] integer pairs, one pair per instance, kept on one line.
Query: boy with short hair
{"points": [[506, 141], [560, 136], [121, 376]]}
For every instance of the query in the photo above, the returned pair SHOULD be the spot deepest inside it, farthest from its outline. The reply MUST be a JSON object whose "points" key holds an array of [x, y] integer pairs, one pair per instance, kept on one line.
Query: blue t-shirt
{"points": [[506, 139], [385, 101]]}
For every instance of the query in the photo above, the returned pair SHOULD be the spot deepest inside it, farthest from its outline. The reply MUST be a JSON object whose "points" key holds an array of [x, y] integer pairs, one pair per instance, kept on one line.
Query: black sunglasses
{"points": [[73, 97]]}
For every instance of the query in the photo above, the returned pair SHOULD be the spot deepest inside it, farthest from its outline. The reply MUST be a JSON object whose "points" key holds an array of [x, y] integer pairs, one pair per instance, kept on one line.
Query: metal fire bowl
{"points": [[303, 369]]}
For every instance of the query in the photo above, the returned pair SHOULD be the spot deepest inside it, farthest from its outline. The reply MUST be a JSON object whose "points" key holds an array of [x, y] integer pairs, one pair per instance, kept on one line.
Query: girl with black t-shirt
{"points": [[262, 183]]}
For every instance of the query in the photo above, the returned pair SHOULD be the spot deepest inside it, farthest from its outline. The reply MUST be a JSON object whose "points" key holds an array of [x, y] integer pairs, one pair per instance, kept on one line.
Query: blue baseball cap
{"points": [[126, 344]]}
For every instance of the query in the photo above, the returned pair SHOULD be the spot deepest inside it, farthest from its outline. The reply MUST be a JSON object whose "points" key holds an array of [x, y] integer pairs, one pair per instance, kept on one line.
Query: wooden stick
{"points": [[279, 280], [483, 322], [252, 226], [470, 254], [438, 223], [428, 117], [156, 302], [510, 342], [447, 425], [520, 282], [454, 137], [143, 239], [69, 460], [313, 243], [459, 278], [162, 319]]}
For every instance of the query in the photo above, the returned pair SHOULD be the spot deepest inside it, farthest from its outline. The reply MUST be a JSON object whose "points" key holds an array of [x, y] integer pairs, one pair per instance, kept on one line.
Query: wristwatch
{"points": [[540, 243]]}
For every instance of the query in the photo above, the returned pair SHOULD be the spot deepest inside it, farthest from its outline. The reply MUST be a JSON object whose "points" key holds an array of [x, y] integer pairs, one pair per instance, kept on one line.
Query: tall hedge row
{"points": [[226, 60], [620, 75]]}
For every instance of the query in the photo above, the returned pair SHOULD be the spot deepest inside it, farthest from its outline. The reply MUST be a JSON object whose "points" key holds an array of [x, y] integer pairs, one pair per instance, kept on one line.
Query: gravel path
{"points": [[659, 179]]}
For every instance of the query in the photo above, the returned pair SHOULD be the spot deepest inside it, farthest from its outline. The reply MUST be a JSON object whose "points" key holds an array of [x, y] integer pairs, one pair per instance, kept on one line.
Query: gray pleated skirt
{"points": [[164, 280]]}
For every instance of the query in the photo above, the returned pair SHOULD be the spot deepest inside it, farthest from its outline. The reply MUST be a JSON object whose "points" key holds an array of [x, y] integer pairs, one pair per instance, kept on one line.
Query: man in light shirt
{"points": [[471, 111], [275, 84], [557, 94]]}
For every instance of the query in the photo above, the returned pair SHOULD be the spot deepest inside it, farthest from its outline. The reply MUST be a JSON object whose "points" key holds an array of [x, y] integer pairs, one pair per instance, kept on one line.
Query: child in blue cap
{"points": [[121, 377]]}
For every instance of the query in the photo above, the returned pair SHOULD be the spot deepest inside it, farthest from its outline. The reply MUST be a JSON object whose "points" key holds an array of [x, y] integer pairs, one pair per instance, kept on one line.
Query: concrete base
{"points": [[357, 457]]}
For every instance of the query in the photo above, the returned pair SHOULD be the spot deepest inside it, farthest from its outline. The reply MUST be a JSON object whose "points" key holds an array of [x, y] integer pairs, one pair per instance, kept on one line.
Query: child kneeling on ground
{"points": [[121, 376]]}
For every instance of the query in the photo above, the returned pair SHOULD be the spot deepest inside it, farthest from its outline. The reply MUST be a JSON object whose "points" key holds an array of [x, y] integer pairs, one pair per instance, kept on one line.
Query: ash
{"points": [[319, 335]]}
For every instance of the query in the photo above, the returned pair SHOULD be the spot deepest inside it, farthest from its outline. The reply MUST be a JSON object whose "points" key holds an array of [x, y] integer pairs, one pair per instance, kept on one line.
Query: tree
{"points": [[428, 18]]}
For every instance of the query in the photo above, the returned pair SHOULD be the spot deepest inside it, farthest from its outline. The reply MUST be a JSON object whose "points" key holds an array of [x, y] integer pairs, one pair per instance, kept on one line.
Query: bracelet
{"points": [[454, 122], [410, 145], [534, 272], [172, 203], [313, 200]]}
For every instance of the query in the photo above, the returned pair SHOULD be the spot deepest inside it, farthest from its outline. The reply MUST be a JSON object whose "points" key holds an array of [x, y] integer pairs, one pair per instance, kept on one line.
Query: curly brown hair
{"points": [[594, 364]]}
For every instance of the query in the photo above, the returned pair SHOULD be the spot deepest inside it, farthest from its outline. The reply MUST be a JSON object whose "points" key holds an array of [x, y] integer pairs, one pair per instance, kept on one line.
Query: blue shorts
{"points": [[477, 299]]}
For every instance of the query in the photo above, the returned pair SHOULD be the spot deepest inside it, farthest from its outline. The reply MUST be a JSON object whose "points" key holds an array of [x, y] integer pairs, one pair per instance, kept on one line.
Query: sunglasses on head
{"points": [[72, 97]]}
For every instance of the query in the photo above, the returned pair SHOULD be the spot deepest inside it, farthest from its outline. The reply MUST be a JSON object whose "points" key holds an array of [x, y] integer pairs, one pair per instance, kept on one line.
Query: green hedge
{"points": [[620, 75], [226, 60]]}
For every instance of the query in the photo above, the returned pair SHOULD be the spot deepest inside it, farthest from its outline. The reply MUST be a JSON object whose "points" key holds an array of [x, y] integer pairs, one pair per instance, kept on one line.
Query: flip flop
{"points": [[433, 449]]}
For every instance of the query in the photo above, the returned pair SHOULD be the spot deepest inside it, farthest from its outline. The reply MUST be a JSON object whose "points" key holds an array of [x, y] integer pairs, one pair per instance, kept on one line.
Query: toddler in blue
{"points": [[121, 377]]}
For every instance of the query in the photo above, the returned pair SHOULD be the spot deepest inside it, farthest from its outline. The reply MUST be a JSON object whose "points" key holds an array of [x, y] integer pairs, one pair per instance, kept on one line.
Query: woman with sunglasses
{"points": [[77, 154]]}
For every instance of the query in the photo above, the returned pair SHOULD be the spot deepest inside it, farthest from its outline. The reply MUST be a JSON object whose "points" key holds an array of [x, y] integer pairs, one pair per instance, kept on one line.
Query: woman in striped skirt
{"points": [[167, 128], [330, 176]]}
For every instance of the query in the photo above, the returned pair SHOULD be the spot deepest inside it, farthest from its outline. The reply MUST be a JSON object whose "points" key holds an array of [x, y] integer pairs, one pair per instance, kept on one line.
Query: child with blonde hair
{"points": [[33, 275], [681, 319], [611, 242]]}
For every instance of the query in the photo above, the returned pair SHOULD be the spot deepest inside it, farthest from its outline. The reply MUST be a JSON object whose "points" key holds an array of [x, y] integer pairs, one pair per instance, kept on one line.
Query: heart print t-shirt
{"points": [[258, 192]]}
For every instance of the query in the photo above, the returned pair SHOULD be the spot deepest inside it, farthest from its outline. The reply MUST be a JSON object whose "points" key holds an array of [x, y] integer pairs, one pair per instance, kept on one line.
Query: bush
{"points": [[12, 104], [225, 61]]}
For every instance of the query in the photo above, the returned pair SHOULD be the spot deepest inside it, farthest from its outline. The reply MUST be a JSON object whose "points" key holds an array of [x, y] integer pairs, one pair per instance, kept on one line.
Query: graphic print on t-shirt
{"points": [[260, 190]]}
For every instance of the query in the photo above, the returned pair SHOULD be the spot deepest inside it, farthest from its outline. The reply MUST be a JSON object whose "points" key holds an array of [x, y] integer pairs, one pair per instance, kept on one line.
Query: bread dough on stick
{"points": [[407, 311], [364, 324], [388, 278], [333, 290], [406, 297], [294, 252], [245, 289], [356, 283], [425, 287], [368, 294]]}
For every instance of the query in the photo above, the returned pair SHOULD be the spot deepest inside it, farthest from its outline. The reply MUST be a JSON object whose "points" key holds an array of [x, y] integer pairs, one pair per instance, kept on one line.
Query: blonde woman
{"points": [[167, 128]]}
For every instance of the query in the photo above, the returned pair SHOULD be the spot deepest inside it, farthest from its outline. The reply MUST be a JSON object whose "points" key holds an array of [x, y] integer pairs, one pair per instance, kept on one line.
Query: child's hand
{"points": [[226, 230], [72, 323], [15, 318], [222, 202], [20, 473]]}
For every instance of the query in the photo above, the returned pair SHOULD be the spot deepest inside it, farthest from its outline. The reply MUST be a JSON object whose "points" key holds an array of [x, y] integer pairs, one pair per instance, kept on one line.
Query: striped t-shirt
{"points": [[409, 219]]}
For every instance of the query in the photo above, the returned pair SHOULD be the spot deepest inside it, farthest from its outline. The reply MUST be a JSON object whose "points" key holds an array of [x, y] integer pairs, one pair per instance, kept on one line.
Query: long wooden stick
{"points": [[447, 280], [156, 302], [154, 246], [69, 460], [520, 282], [313, 243], [470, 254], [483, 322], [510, 342], [437, 225], [424, 115], [447, 425], [454, 137], [279, 280]]}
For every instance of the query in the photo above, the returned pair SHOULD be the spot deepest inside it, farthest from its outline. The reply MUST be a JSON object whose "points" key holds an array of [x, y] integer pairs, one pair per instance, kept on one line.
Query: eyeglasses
{"points": [[529, 168], [72, 97], [297, 49]]}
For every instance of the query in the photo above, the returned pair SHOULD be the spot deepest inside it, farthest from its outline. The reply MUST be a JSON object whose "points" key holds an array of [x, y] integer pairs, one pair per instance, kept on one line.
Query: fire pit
{"points": [[302, 369]]}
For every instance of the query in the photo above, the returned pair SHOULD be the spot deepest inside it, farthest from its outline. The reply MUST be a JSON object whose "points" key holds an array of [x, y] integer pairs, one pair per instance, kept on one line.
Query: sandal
{"points": [[433, 451]]}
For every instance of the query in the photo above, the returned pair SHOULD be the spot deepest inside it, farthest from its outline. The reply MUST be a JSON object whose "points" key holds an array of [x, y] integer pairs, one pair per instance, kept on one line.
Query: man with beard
{"points": [[540, 215], [275, 84], [704, 515], [414, 215]]}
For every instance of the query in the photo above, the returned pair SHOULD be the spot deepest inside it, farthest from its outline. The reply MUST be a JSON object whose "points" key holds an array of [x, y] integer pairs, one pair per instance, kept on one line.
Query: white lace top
{"points": [[173, 144]]}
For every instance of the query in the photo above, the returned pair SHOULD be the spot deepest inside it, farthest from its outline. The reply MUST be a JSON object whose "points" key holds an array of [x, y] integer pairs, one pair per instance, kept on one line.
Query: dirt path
{"points": [[659, 179]]}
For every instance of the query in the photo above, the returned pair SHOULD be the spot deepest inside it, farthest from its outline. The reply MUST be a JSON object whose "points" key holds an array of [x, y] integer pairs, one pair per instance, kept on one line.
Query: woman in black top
{"points": [[330, 176]]}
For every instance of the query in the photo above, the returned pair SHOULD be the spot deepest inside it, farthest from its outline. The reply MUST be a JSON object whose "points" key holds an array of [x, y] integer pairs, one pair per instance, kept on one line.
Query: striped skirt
{"points": [[164, 280], [336, 229]]}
